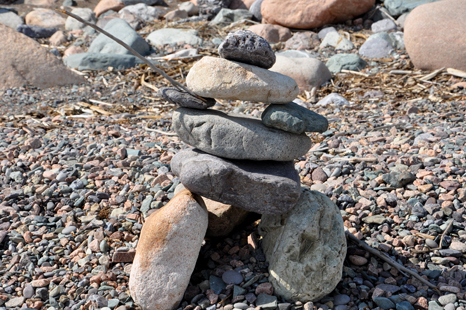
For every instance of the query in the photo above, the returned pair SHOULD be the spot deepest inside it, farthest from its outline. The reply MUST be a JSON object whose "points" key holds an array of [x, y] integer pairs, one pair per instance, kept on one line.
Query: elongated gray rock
{"points": [[292, 117], [264, 187], [183, 99], [247, 47], [305, 248], [237, 137], [219, 78], [167, 252]]}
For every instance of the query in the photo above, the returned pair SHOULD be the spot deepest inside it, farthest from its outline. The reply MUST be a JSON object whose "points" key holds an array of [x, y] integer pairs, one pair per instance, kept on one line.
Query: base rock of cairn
{"points": [[244, 162]]}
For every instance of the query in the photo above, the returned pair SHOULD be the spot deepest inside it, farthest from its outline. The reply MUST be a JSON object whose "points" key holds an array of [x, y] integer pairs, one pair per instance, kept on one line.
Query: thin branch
{"points": [[167, 133]]}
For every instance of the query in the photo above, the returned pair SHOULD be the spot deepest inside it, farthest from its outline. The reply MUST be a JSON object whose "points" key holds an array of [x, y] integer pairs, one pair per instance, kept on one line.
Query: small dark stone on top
{"points": [[183, 99], [247, 47]]}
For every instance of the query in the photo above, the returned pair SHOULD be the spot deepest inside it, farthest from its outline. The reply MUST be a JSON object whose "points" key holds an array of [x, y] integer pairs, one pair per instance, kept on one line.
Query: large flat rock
{"points": [[265, 187], [237, 137], [305, 248], [219, 78]]}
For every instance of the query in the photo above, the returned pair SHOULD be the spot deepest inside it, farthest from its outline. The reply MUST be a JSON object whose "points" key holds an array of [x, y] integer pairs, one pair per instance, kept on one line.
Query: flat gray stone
{"points": [[337, 41], [447, 299], [376, 48], [383, 25], [384, 303], [339, 62], [308, 242], [294, 118], [173, 36], [232, 276], [334, 99], [97, 61], [183, 99], [121, 30], [397, 39], [237, 137], [247, 47], [398, 179], [143, 11], [10, 18], [265, 187], [86, 14], [323, 33], [266, 302], [297, 54], [227, 16]]}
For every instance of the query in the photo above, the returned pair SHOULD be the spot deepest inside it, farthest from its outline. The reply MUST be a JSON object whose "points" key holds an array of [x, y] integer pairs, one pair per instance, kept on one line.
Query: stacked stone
{"points": [[244, 162]]}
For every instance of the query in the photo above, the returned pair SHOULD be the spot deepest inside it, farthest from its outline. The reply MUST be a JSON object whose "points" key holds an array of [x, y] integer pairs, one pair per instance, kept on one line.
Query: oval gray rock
{"points": [[237, 137], [183, 99], [265, 187], [305, 248]]}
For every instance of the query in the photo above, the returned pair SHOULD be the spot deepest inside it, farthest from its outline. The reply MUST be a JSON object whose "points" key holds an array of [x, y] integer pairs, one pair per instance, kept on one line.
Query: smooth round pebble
{"points": [[232, 276]]}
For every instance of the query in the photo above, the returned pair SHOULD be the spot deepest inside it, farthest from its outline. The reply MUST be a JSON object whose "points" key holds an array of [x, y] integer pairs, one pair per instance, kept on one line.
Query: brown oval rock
{"points": [[44, 18], [434, 35], [107, 5], [357, 260], [306, 14], [272, 33], [167, 252]]}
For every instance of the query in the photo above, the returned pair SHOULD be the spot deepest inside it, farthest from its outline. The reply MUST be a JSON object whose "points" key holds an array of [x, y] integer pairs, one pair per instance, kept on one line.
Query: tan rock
{"points": [[307, 72], [272, 33], [219, 78], [223, 218], [58, 38], [24, 61], [107, 5], [433, 35], [73, 50], [44, 18], [176, 14], [306, 14], [167, 252]]}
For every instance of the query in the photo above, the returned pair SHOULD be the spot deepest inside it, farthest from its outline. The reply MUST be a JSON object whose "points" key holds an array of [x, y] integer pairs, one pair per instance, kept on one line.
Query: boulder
{"points": [[272, 33], [339, 62], [306, 14], [44, 18], [264, 187], [306, 243], [247, 47], [121, 30], [306, 40], [24, 61], [307, 72], [167, 252], [237, 137], [107, 5], [173, 36], [433, 35], [219, 78]]}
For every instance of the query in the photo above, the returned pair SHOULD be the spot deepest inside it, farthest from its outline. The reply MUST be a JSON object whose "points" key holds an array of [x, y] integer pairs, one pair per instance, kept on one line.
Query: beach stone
{"points": [[255, 9], [271, 33], [44, 18], [247, 47], [14, 302], [384, 303], [167, 252], [223, 218], [121, 30], [237, 137], [306, 40], [143, 11], [36, 31], [98, 61], [337, 41], [173, 36], [267, 302], [384, 25], [58, 38], [40, 2], [306, 243], [339, 62], [232, 276], [307, 14], [219, 78], [210, 8], [430, 28], [376, 48], [398, 179], [107, 5], [10, 18], [341, 300], [292, 117], [272, 187], [176, 14], [146, 2], [323, 33], [433, 305], [402, 19], [84, 13], [447, 299], [334, 99], [227, 16], [307, 72], [189, 7], [183, 99], [24, 61], [398, 7], [296, 54], [72, 50]]}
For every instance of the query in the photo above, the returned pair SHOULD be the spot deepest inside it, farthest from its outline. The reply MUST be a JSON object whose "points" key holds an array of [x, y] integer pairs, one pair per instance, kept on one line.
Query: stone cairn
{"points": [[244, 162]]}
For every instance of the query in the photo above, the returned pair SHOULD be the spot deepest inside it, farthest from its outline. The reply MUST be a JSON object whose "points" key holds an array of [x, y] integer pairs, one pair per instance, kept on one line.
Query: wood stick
{"points": [[167, 133], [387, 259]]}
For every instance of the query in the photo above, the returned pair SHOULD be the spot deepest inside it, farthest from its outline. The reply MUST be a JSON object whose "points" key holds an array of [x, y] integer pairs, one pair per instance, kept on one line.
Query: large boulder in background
{"points": [[24, 61], [306, 14], [305, 248], [434, 35]]}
